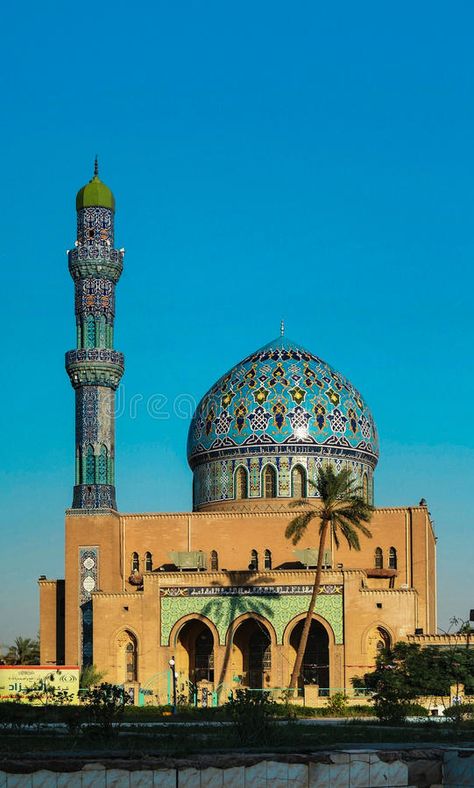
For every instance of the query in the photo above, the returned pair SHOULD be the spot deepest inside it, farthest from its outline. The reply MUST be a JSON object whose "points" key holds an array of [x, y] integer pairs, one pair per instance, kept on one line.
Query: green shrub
{"points": [[252, 713], [459, 712], [337, 705], [106, 705]]}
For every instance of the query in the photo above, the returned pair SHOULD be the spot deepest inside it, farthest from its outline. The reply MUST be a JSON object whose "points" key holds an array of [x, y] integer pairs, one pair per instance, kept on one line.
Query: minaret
{"points": [[94, 368]]}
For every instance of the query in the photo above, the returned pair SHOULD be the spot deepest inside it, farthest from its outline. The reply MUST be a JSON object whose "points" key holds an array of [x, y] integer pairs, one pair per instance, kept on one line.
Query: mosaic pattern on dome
{"points": [[282, 396]]}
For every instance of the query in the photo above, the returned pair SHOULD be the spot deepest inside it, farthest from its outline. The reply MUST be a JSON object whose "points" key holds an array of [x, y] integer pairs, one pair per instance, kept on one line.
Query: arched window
{"points": [[102, 466], [269, 482], [90, 466], [392, 558], [268, 559], [148, 562], [214, 561], [253, 566], [135, 562], [298, 482], [365, 488], [241, 482], [378, 558]]}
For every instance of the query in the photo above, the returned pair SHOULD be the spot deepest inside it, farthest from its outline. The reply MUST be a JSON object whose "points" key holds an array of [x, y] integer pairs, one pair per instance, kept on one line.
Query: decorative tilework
{"points": [[290, 411], [94, 367], [279, 610], [95, 230], [88, 582], [213, 483], [283, 401]]}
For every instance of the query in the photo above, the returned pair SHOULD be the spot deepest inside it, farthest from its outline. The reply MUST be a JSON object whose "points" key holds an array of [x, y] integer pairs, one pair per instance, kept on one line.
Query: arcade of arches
{"points": [[250, 657]]}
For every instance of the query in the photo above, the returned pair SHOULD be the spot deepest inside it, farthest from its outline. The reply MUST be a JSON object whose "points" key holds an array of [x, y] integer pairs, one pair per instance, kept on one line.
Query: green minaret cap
{"points": [[95, 193]]}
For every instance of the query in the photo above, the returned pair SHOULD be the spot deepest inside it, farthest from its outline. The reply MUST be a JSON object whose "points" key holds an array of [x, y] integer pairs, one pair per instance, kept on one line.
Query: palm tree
{"points": [[24, 651], [340, 509]]}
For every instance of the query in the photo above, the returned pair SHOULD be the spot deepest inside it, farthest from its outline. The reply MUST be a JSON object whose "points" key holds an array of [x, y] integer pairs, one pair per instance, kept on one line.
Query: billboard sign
{"points": [[17, 681]]}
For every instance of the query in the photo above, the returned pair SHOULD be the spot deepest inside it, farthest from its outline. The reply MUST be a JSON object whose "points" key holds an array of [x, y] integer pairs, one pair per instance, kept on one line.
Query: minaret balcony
{"points": [[95, 261], [95, 367]]}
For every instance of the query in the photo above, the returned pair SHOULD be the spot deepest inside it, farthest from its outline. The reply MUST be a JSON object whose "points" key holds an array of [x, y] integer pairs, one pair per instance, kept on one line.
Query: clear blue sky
{"points": [[307, 160]]}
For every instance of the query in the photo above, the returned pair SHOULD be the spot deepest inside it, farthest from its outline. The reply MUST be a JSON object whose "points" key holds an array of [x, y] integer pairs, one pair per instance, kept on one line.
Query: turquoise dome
{"points": [[282, 399]]}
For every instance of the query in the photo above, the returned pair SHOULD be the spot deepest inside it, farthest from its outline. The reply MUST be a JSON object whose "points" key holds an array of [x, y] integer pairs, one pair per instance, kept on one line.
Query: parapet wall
{"points": [[450, 767]]}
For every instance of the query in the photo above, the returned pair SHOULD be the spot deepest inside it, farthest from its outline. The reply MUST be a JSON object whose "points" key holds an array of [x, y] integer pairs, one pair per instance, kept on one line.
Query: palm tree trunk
{"points": [[309, 615]]}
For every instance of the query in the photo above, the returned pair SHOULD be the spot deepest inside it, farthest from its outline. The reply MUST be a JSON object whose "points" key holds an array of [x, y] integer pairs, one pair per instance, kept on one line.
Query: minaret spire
{"points": [[282, 328], [96, 166]]}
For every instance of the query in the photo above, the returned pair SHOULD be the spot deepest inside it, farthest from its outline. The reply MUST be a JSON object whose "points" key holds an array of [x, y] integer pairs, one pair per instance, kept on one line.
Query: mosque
{"points": [[220, 593]]}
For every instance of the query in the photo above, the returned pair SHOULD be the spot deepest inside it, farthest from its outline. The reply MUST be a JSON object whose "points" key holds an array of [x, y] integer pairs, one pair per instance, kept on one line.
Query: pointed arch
{"points": [[298, 482], [135, 562], [214, 562], [267, 559], [148, 562], [378, 557], [269, 478], [241, 482]]}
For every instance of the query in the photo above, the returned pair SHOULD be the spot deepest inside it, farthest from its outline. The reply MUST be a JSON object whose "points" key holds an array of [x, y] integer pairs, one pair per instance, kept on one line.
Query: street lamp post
{"points": [[174, 676]]}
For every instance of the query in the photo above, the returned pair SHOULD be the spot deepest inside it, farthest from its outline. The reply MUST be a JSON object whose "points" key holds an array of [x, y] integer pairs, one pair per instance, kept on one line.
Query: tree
{"points": [[341, 509], [397, 680], [24, 651], [407, 671]]}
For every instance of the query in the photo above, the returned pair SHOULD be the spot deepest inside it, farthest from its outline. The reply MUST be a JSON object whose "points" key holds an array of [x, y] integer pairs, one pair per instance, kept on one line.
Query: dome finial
{"points": [[282, 328], [96, 166]]}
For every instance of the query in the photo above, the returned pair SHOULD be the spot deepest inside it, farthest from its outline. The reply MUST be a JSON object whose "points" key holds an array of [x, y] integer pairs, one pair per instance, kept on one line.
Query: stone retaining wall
{"points": [[450, 767]]}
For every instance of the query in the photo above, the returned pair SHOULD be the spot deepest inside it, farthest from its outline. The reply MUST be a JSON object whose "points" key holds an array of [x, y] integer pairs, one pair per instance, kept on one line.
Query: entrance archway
{"points": [[315, 668], [252, 654], [195, 652]]}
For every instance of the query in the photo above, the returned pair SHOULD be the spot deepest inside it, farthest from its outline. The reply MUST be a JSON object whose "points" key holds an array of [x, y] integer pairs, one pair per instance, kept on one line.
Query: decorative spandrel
{"points": [[222, 606]]}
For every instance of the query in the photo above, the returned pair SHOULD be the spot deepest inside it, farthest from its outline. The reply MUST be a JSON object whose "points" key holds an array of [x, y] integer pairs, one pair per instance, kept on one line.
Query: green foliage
{"points": [[15, 716], [252, 713], [106, 704], [337, 705], [407, 671], [340, 502], [460, 712], [90, 676], [24, 651], [396, 681]]}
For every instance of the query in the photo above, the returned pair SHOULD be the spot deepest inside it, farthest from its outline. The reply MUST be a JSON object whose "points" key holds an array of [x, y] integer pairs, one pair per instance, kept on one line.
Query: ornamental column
{"points": [[94, 367]]}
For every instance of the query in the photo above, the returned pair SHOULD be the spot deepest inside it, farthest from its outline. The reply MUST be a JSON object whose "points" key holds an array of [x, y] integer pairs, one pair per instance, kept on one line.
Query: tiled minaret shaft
{"points": [[94, 367]]}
